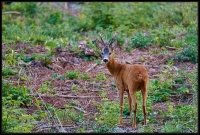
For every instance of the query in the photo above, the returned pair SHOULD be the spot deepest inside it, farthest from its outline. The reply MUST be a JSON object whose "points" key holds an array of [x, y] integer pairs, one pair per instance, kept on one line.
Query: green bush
{"points": [[8, 72], [16, 120], [108, 116], [101, 77], [141, 40], [16, 93], [72, 74], [160, 92], [188, 54], [182, 119]]}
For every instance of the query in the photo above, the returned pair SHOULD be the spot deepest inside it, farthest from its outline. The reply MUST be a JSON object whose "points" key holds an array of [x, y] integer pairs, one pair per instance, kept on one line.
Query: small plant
{"points": [[188, 54], [84, 76], [161, 91], [18, 93], [8, 71], [182, 120], [106, 120], [69, 115], [74, 88], [10, 58], [55, 18], [141, 40], [16, 120], [72, 74], [101, 77], [46, 88]]}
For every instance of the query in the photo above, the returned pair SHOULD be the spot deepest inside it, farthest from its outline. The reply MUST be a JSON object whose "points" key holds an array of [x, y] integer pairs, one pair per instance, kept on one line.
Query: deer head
{"points": [[107, 48]]}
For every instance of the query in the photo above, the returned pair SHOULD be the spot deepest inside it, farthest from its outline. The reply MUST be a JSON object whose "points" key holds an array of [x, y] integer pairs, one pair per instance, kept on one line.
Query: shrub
{"points": [[72, 74], [8, 71], [141, 40], [183, 119], [188, 54], [16, 93], [101, 77], [108, 116]]}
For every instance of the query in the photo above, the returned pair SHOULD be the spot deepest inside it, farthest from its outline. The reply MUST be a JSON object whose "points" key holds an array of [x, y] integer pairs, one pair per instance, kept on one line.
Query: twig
{"points": [[171, 48], [87, 104], [65, 96], [92, 67], [57, 66], [12, 12], [77, 108], [54, 126]]}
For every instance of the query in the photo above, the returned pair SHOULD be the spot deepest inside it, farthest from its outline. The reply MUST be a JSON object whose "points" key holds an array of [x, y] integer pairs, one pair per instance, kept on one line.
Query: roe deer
{"points": [[129, 78]]}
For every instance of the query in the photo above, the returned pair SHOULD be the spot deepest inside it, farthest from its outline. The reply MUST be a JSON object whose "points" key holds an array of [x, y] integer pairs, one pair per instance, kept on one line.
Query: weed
{"points": [[46, 88], [10, 58], [180, 121], [72, 74], [141, 40], [188, 54], [16, 93], [74, 88], [8, 71], [108, 116], [101, 77], [84, 76]]}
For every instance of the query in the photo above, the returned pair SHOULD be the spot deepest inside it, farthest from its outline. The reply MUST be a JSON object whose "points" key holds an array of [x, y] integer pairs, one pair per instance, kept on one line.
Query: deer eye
{"points": [[109, 53], [102, 53]]}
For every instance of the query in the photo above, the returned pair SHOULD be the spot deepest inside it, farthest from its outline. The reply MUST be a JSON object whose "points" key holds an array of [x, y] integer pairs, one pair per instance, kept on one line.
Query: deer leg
{"points": [[121, 96], [130, 103], [134, 102], [144, 97]]}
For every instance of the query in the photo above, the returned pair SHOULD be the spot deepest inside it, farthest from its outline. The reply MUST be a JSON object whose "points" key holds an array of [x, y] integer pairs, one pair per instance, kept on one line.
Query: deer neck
{"points": [[113, 66]]}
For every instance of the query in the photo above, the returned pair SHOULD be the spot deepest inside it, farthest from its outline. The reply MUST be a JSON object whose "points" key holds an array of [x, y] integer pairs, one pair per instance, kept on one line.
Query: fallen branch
{"points": [[92, 67], [12, 12], [171, 48], [77, 108], [65, 96], [39, 129]]}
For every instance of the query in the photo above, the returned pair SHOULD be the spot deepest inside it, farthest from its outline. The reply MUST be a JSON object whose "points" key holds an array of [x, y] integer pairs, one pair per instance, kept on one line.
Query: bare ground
{"points": [[87, 97]]}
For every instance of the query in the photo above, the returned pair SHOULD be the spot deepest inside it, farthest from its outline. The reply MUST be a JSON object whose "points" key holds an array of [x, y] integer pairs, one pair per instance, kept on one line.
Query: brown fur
{"points": [[129, 78]]}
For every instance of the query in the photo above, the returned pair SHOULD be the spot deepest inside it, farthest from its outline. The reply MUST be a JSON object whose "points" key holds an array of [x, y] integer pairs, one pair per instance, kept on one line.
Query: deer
{"points": [[128, 77]]}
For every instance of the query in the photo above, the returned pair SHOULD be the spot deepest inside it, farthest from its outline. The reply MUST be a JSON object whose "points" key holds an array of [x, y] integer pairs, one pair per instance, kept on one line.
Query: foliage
{"points": [[72, 74], [84, 76], [141, 40], [100, 77], [188, 54], [7, 71], [69, 115], [108, 116], [46, 88], [16, 93], [14, 118], [184, 120]]}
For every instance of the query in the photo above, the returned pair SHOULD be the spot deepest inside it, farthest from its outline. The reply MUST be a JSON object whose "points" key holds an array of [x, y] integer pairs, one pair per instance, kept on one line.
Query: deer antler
{"points": [[113, 39], [102, 42]]}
